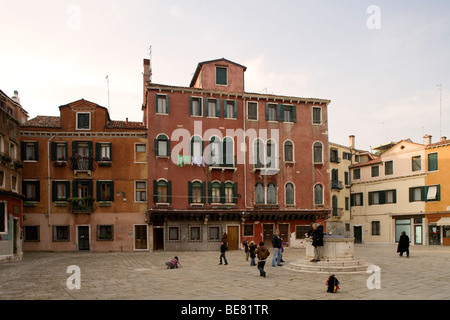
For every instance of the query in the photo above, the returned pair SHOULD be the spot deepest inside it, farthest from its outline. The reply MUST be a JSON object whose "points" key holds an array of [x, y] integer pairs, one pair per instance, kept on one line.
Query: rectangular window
{"points": [[212, 108], [213, 233], [375, 171], [141, 191], [174, 233], [105, 151], [389, 167], [195, 233], [300, 232], [221, 76], [196, 106], [62, 192], [433, 162], [61, 151], [13, 150], [356, 199], [31, 190], [433, 193], [347, 203], [2, 179], [83, 121], [248, 230], [14, 183], [29, 151], [140, 153], [230, 109], [252, 111], [31, 233], [376, 228], [416, 163], [272, 112], [317, 115], [162, 104], [60, 233], [105, 232], [416, 194], [356, 174], [162, 148], [105, 191], [391, 196]]}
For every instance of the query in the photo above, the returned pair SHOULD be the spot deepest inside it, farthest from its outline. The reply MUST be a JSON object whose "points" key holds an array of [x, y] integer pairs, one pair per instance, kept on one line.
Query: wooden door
{"points": [[83, 238], [284, 233], [233, 237], [268, 234], [140, 237], [357, 233]]}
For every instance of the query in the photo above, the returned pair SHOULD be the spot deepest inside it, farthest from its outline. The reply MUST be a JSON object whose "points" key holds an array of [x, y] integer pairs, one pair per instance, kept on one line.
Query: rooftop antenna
{"points": [[440, 109], [107, 84]]}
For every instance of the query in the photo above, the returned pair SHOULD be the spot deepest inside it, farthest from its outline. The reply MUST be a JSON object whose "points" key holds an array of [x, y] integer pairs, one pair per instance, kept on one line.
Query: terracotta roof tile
{"points": [[43, 122], [368, 163], [133, 125]]}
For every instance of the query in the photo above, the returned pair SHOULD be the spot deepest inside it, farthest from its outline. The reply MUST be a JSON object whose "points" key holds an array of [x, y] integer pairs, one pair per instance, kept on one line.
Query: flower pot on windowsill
{"points": [[59, 163], [104, 163], [104, 203]]}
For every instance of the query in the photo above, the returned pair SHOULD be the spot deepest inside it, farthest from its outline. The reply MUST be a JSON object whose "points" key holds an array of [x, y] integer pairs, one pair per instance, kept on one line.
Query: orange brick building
{"points": [[85, 181]]}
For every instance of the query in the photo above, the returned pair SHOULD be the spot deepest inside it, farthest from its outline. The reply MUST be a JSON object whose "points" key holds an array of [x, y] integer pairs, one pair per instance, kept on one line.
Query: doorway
{"points": [[357, 234], [158, 238], [233, 237], [83, 238], [268, 234], [434, 235], [140, 237], [284, 233], [16, 236]]}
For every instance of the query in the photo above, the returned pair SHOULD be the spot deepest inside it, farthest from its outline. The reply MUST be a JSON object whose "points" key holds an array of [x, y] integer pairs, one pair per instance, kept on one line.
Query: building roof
{"points": [[438, 144], [43, 122], [200, 64], [132, 125], [368, 163]]}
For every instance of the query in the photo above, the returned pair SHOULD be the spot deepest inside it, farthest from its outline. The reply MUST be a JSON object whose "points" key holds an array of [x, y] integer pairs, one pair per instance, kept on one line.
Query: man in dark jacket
{"points": [[223, 249], [317, 241], [276, 243], [403, 245]]}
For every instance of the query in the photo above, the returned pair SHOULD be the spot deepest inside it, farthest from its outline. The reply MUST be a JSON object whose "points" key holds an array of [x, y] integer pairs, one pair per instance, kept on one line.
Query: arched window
{"points": [[271, 154], [196, 147], [288, 151], [271, 193], [229, 192], [260, 197], [215, 192], [318, 156], [289, 192], [162, 191], [215, 148], [162, 146], [318, 194]]}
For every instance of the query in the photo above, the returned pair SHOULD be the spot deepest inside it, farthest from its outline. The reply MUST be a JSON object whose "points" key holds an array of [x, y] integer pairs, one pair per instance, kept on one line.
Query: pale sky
{"points": [[379, 66]]}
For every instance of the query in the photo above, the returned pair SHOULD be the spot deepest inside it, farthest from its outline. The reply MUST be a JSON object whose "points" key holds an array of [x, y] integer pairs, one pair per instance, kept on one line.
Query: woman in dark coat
{"points": [[403, 245]]}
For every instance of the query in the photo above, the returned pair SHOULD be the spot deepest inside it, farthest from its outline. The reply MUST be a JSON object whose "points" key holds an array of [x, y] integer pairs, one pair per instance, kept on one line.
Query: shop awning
{"points": [[444, 221]]}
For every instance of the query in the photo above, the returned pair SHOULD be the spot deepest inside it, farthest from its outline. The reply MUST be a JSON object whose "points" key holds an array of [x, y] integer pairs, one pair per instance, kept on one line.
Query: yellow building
{"points": [[437, 182]]}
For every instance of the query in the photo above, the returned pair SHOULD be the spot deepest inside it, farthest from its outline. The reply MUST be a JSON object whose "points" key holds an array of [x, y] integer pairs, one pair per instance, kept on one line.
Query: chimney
{"points": [[352, 141], [15, 97], [443, 138], [147, 70], [427, 139], [126, 120]]}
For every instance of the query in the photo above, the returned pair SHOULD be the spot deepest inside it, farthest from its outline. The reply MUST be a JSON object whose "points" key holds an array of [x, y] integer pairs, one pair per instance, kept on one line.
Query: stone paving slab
{"points": [[143, 276]]}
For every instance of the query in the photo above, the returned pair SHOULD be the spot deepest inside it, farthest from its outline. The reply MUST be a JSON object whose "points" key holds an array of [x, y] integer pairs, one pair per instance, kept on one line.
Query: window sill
{"points": [[162, 204], [162, 157], [162, 114]]}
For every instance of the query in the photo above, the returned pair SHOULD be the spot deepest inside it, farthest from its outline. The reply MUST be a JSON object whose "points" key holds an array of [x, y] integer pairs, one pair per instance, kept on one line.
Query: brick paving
{"points": [[143, 276]]}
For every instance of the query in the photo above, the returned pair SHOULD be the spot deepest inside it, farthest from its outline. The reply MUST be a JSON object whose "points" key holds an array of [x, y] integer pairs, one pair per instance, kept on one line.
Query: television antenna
{"points": [[107, 85]]}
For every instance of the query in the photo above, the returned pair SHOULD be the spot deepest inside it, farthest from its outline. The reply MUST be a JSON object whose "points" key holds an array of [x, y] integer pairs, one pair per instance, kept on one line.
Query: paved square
{"points": [[143, 275]]}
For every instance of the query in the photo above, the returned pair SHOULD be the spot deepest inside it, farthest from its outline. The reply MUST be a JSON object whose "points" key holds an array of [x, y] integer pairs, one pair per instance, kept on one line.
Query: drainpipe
{"points": [[48, 179], [245, 152]]}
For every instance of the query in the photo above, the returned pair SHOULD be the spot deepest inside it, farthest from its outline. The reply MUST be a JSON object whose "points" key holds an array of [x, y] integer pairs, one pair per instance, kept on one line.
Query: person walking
{"points": [[262, 254], [403, 245], [276, 243], [245, 244], [317, 241], [223, 249], [251, 250]]}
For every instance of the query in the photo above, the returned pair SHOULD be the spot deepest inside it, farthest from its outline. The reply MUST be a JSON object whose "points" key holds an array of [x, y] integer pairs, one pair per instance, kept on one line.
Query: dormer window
{"points": [[83, 121], [221, 76]]}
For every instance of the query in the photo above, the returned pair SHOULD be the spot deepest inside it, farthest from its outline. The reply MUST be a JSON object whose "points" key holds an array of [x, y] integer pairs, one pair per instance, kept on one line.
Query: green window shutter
{"points": [[74, 148], [218, 108], [280, 112], [267, 111], [53, 151], [222, 192], [190, 105], [424, 193], [395, 195], [362, 199], [54, 191], [167, 103], [189, 192], [204, 192], [169, 191], [235, 109], [382, 197], [294, 114], [99, 191], [209, 192], [411, 194], [98, 151], [438, 193], [110, 151], [90, 146], [67, 183], [206, 107], [111, 190], [433, 162], [168, 148], [75, 189], [370, 198], [225, 111], [36, 151], [156, 103], [155, 191], [235, 193], [352, 200], [37, 185], [156, 147], [23, 151]]}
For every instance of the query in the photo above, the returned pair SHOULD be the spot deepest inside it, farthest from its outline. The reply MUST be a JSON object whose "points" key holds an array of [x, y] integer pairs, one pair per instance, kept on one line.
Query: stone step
{"points": [[330, 266]]}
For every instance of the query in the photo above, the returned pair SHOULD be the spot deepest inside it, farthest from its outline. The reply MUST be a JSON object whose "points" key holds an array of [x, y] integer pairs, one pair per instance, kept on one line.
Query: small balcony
{"points": [[337, 212], [336, 185], [81, 205], [82, 164]]}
